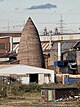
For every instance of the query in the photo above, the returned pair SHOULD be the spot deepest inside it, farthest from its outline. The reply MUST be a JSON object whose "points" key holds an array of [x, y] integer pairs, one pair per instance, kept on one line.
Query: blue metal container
{"points": [[60, 63], [71, 80]]}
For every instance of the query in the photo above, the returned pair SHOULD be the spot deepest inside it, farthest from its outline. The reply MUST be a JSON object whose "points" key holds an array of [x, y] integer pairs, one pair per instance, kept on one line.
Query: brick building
{"points": [[53, 93], [4, 46]]}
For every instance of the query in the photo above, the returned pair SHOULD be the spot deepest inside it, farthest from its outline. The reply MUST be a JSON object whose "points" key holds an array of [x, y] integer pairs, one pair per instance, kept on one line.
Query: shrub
{"points": [[23, 88], [3, 91]]}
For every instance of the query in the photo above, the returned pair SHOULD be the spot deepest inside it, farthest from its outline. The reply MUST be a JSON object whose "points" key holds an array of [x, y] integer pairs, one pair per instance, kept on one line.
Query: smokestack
{"points": [[30, 50]]}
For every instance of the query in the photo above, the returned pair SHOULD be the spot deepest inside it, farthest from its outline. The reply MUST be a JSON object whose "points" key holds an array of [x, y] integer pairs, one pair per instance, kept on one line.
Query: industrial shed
{"points": [[29, 74], [54, 93]]}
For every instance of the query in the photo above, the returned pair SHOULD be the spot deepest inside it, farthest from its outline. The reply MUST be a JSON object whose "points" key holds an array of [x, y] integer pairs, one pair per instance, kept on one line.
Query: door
{"points": [[49, 95]]}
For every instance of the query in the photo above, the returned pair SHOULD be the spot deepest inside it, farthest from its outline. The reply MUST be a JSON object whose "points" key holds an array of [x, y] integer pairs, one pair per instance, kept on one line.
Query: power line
{"points": [[30, 12]]}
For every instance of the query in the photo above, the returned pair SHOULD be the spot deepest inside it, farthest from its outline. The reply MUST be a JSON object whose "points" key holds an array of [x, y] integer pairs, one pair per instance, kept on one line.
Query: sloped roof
{"points": [[65, 45], [24, 69], [77, 45]]}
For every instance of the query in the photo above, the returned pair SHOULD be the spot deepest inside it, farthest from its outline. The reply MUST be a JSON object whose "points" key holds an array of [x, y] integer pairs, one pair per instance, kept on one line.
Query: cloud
{"points": [[1, 0], [45, 6]]}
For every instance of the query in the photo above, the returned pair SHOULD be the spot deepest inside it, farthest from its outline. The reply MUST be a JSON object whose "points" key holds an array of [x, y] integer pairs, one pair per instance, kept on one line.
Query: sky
{"points": [[14, 14]]}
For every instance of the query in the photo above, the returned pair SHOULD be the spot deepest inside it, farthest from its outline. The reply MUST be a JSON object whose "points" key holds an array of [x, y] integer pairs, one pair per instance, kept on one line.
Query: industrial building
{"points": [[58, 52], [69, 49], [57, 94], [28, 74], [29, 54]]}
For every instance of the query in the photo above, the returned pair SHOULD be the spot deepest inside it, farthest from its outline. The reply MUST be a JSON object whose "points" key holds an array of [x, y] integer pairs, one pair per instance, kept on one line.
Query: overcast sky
{"points": [[13, 14]]}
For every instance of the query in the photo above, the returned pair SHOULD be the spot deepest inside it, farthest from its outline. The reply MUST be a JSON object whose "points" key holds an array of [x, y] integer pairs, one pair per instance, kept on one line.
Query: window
{"points": [[2, 45], [43, 92]]}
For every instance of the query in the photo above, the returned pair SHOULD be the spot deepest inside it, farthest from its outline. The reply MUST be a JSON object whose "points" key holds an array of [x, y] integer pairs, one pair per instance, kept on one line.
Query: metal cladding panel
{"points": [[30, 50], [71, 80], [60, 63], [65, 45]]}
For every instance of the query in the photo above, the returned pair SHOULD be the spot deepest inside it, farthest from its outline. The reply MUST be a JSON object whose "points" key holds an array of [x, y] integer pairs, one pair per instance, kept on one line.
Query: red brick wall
{"points": [[61, 93], [6, 41], [11, 34]]}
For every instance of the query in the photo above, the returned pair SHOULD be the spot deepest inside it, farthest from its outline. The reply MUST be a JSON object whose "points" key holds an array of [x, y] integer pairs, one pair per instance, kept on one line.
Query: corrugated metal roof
{"points": [[65, 45], [68, 45]]}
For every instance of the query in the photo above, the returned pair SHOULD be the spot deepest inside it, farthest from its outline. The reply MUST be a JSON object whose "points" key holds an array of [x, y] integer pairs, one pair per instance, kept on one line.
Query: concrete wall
{"points": [[42, 78], [25, 79]]}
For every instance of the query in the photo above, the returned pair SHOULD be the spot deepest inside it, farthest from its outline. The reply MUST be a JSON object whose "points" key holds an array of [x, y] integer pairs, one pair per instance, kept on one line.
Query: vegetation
{"points": [[18, 89], [17, 93]]}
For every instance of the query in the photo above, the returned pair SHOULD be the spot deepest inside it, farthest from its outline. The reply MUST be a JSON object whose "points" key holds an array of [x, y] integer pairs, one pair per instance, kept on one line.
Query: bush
{"points": [[20, 89], [3, 91], [23, 88], [15, 89]]}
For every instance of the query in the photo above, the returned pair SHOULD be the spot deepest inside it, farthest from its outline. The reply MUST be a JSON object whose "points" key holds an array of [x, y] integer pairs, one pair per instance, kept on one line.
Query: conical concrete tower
{"points": [[30, 50]]}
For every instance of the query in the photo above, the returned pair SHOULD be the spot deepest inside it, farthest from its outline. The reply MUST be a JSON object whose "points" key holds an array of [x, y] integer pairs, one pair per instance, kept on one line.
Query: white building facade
{"points": [[28, 74]]}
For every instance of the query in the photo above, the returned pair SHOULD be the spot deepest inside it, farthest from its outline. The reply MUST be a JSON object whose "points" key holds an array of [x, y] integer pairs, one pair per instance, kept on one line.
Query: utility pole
{"points": [[50, 39]]}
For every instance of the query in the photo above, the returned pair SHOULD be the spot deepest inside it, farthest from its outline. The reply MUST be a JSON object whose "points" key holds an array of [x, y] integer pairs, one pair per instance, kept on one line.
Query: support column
{"points": [[40, 78], [50, 35], [11, 44], [59, 54], [59, 51], [52, 77]]}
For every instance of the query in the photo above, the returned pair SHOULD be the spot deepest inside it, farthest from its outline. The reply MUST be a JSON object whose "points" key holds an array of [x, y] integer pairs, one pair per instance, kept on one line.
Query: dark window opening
{"points": [[12, 58], [34, 78], [43, 92]]}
